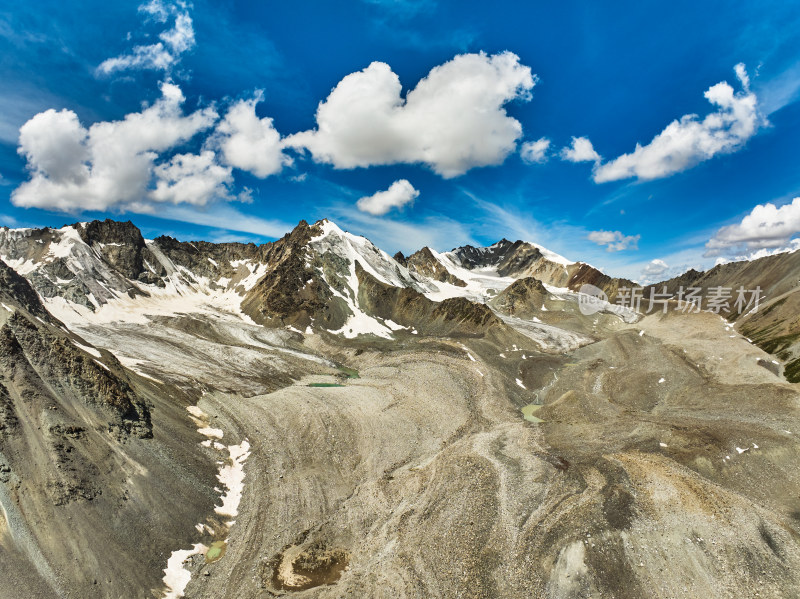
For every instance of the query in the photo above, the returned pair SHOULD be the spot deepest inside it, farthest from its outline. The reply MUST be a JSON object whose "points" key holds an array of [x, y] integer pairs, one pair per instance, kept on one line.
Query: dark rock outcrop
{"points": [[15, 289], [64, 367], [290, 292], [120, 244], [523, 298]]}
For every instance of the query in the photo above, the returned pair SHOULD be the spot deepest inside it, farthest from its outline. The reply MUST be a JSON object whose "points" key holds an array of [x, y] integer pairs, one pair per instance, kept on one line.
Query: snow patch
{"points": [[232, 476], [89, 350], [469, 355], [176, 577], [214, 433]]}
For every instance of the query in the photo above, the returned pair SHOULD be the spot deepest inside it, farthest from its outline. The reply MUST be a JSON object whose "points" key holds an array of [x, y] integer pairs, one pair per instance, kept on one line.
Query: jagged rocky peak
{"points": [[110, 232], [510, 258], [524, 298], [403, 307], [312, 279], [330, 239], [289, 293], [478, 257], [59, 262], [426, 264], [119, 243]]}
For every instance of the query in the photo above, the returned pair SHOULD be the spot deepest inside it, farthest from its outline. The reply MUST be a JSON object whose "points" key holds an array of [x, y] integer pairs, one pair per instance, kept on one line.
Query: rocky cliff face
{"points": [[426, 265], [120, 245], [37, 353], [451, 317], [15, 290], [84, 476], [290, 293]]}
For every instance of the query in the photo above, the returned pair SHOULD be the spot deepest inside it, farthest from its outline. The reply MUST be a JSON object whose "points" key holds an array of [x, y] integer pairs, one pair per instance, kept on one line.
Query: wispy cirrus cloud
{"points": [[164, 54]]}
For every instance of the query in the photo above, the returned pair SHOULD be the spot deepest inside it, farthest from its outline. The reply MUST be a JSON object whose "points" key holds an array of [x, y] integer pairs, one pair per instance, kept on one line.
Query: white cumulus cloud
{"points": [[614, 241], [399, 194], [108, 165], [452, 121], [191, 179], [580, 150], [654, 269], [766, 227], [164, 54], [249, 143], [535, 151], [688, 141]]}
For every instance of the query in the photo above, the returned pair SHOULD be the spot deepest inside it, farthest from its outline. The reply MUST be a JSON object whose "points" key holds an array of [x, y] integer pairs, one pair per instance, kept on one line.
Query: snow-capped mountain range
{"points": [[308, 280]]}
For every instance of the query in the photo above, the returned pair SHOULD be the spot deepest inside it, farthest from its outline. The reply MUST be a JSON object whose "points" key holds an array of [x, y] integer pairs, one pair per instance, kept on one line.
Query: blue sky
{"points": [[201, 121]]}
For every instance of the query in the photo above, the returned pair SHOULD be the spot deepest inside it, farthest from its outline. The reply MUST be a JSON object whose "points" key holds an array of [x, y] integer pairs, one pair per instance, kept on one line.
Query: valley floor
{"points": [[664, 466]]}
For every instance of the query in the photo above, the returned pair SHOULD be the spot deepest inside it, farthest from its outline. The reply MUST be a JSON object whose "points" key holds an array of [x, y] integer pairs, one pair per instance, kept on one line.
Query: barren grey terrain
{"points": [[314, 418]]}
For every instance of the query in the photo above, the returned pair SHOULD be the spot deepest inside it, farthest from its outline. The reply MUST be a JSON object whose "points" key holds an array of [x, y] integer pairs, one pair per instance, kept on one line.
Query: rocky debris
{"points": [[67, 431], [773, 326], [5, 472], [74, 476], [64, 366], [8, 418], [426, 265], [299, 568]]}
